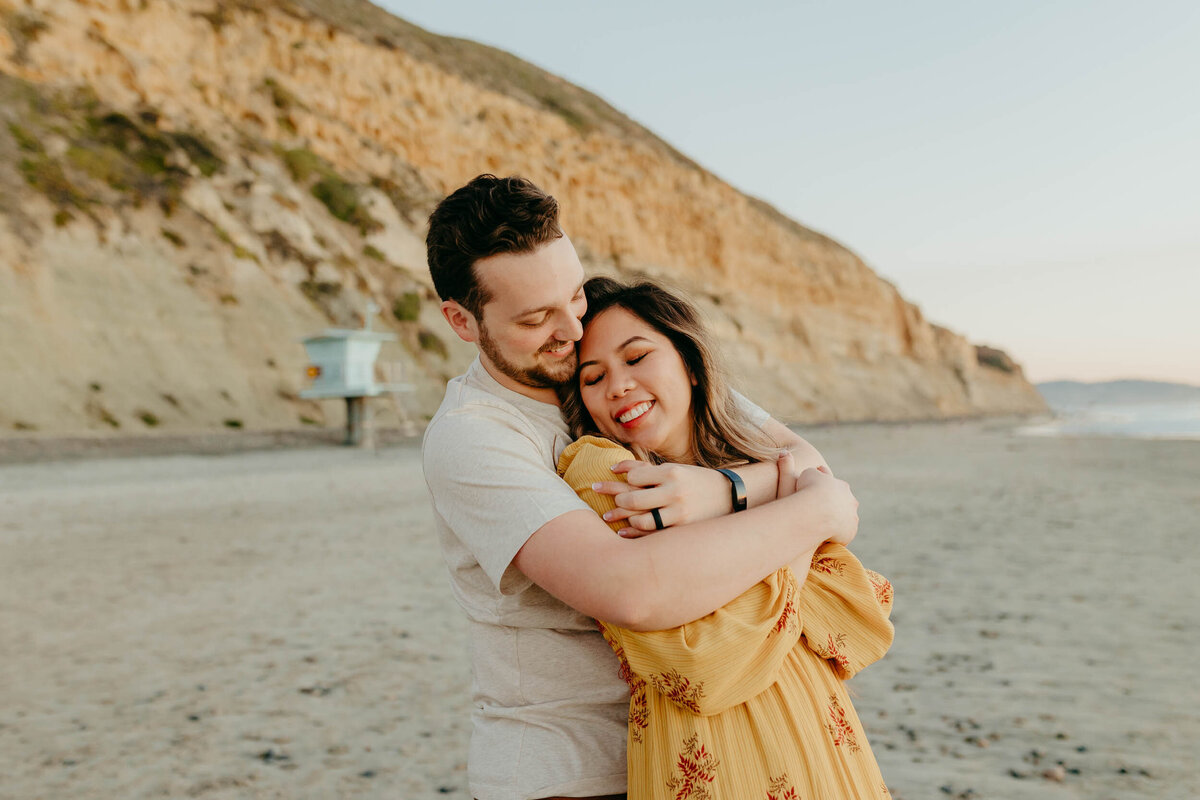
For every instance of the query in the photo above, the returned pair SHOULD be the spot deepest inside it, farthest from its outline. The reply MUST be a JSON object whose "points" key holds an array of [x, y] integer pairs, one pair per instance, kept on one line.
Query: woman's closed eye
{"points": [[595, 377]]}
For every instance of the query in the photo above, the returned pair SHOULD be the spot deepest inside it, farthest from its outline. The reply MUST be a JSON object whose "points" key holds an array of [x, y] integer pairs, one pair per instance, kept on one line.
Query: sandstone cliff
{"points": [[189, 187]]}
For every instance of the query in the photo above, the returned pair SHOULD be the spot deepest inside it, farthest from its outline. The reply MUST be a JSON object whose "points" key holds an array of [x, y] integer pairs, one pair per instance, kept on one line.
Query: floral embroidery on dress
{"points": [[828, 564], [832, 650], [882, 587], [787, 617], [639, 712], [782, 789], [639, 706], [697, 769], [839, 727], [679, 690], [836, 654]]}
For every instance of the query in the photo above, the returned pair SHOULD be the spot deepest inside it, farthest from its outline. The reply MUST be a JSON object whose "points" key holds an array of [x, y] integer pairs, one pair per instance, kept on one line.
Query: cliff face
{"points": [[187, 188]]}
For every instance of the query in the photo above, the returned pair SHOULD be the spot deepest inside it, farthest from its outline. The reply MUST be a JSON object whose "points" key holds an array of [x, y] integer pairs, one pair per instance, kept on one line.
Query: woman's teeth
{"points": [[635, 412]]}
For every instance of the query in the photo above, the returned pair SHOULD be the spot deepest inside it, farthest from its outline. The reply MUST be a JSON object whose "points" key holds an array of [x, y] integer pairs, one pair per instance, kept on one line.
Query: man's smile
{"points": [[559, 349]]}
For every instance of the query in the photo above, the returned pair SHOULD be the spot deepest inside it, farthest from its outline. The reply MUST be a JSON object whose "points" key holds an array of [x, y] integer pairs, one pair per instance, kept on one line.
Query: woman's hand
{"points": [[682, 493]]}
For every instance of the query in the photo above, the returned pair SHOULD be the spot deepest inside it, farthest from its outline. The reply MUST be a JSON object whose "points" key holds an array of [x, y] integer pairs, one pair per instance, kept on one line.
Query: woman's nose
{"points": [[619, 384]]}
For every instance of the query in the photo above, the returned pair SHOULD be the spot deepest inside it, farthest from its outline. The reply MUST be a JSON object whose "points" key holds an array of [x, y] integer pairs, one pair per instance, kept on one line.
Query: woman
{"points": [[747, 702]]}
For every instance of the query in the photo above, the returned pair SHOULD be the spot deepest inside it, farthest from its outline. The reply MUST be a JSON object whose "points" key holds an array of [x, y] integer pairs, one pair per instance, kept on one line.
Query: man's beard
{"points": [[540, 376]]}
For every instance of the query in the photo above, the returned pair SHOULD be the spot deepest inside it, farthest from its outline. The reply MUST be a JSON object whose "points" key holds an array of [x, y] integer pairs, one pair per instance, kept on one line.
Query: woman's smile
{"points": [[634, 415]]}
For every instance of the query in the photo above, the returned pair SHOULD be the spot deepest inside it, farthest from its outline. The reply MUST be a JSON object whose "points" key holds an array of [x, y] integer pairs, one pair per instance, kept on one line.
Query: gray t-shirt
{"points": [[550, 708]]}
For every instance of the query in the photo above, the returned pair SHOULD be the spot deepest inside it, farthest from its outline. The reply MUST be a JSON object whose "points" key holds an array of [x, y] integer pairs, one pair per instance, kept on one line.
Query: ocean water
{"points": [[1140, 421]]}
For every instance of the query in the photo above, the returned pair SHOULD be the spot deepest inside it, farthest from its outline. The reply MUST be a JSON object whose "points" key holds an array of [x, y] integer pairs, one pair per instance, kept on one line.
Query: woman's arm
{"points": [[681, 574], [683, 493]]}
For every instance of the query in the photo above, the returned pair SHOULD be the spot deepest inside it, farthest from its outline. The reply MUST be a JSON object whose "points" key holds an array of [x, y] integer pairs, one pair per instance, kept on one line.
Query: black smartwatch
{"points": [[737, 489]]}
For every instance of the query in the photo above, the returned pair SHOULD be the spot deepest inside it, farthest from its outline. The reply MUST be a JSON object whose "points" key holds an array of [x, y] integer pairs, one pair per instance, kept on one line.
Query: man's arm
{"points": [[684, 493], [681, 574]]}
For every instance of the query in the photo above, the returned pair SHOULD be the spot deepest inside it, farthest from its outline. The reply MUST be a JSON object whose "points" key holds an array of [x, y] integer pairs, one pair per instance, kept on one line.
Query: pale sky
{"points": [[1027, 173]]}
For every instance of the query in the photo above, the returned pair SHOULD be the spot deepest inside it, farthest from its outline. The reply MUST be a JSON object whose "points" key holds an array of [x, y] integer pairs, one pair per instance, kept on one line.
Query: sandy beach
{"points": [[279, 624]]}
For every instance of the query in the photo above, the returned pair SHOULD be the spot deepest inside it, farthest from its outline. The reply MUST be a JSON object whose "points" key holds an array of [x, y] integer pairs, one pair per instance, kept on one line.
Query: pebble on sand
{"points": [[1056, 773]]}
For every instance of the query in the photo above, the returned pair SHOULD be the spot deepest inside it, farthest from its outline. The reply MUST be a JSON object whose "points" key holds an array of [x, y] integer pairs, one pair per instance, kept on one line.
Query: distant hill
{"points": [[188, 188], [1073, 394]]}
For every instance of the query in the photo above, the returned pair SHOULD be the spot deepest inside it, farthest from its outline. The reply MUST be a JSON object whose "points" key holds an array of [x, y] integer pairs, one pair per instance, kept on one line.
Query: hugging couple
{"points": [[655, 570]]}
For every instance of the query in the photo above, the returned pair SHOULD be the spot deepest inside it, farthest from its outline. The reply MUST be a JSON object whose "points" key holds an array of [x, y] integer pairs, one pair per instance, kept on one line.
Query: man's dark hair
{"points": [[486, 217]]}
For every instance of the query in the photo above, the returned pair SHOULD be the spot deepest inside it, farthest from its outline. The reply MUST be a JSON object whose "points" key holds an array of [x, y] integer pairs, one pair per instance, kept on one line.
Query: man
{"points": [[531, 563]]}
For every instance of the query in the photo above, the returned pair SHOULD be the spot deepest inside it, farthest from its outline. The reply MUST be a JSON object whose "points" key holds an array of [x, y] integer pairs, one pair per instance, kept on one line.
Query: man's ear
{"points": [[461, 321]]}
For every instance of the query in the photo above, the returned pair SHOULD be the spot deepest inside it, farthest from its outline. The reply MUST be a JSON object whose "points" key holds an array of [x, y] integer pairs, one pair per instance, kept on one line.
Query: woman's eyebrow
{"points": [[621, 346]]}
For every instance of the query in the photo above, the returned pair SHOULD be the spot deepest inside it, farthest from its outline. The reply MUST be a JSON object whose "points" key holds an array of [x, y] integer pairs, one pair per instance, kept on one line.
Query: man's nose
{"points": [[570, 328]]}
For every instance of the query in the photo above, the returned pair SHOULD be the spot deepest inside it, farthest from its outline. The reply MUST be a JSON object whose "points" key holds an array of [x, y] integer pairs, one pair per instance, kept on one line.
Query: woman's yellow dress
{"points": [[749, 701]]}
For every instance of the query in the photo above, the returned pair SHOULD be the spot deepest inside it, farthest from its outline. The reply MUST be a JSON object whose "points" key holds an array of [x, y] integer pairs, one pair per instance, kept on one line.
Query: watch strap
{"points": [[737, 489]]}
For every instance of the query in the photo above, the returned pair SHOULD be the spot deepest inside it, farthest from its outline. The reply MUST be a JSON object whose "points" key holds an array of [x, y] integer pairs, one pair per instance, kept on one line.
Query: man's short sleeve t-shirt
{"points": [[550, 707]]}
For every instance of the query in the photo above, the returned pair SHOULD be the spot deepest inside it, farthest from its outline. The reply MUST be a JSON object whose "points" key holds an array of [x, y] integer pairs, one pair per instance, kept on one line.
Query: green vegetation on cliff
{"points": [[69, 142], [341, 197]]}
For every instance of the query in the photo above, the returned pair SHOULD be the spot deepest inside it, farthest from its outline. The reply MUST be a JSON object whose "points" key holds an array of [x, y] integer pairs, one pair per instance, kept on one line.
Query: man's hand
{"points": [[682, 493], [839, 502], [786, 464]]}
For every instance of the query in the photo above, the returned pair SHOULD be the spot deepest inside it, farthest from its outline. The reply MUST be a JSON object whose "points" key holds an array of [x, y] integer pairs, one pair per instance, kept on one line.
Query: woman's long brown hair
{"points": [[721, 434]]}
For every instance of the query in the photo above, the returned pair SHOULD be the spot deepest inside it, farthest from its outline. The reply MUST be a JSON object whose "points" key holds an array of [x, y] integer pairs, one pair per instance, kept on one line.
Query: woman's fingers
{"points": [[642, 488], [635, 499], [636, 495], [642, 524], [639, 473], [617, 514], [610, 487]]}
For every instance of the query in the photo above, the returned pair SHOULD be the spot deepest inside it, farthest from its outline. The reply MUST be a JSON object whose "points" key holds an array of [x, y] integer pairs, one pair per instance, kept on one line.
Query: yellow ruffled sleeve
{"points": [[721, 660], [589, 460], [718, 661], [845, 608]]}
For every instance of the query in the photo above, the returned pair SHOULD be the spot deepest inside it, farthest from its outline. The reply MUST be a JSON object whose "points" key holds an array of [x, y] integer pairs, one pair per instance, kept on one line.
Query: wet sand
{"points": [[279, 624]]}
